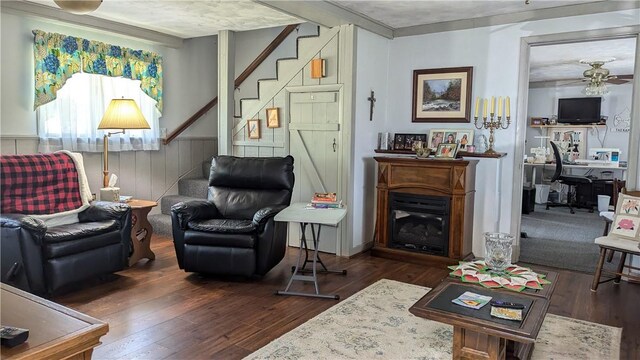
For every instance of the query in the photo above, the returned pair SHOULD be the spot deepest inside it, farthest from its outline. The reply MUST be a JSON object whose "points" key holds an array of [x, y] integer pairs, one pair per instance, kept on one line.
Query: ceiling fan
{"points": [[598, 74]]}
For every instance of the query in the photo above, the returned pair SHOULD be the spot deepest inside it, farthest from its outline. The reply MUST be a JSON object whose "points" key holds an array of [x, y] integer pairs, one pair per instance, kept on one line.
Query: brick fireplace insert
{"points": [[424, 209]]}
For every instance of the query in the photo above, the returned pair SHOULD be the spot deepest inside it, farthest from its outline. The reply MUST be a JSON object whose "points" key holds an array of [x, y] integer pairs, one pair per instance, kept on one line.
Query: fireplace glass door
{"points": [[419, 223]]}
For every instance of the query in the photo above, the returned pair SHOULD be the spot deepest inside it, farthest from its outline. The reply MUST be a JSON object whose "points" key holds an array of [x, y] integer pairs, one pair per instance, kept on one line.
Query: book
{"points": [[336, 205], [324, 197], [472, 300]]}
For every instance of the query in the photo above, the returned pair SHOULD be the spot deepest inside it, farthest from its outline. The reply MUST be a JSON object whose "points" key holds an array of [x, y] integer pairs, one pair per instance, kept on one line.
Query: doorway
{"points": [[314, 140], [556, 237]]}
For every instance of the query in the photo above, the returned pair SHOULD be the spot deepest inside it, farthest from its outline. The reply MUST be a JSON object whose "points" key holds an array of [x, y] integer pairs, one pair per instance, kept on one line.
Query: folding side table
{"points": [[298, 212]]}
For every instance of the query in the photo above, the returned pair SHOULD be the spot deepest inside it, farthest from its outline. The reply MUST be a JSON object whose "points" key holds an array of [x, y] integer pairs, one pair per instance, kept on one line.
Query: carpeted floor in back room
{"points": [[557, 238]]}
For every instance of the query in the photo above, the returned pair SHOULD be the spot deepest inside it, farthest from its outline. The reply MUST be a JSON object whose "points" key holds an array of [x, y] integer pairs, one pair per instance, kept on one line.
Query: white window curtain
{"points": [[71, 121]]}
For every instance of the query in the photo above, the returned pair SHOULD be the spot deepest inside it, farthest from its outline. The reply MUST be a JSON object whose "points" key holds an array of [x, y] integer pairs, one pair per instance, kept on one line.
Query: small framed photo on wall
{"points": [[273, 117], [253, 128]]}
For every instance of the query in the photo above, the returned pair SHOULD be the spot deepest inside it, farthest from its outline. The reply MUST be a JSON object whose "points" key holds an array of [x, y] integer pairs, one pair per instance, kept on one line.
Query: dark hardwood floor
{"points": [[156, 311]]}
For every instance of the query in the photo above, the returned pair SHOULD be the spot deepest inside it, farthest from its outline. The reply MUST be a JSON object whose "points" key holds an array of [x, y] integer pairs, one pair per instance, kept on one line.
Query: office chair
{"points": [[570, 180]]}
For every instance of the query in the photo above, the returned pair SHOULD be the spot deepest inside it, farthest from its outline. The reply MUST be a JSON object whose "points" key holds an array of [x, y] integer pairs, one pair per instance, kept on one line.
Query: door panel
{"points": [[313, 130]]}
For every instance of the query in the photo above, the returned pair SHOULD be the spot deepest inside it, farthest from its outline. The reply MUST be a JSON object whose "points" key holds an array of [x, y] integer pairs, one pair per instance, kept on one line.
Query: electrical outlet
{"points": [[163, 133]]}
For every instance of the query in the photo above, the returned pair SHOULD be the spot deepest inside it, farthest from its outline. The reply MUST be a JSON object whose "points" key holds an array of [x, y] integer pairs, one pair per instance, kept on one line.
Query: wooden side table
{"points": [[141, 230]]}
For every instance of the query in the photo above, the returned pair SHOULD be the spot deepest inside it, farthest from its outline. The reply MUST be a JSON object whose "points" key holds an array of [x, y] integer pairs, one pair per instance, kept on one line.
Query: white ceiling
{"points": [[561, 62], [399, 14], [187, 19]]}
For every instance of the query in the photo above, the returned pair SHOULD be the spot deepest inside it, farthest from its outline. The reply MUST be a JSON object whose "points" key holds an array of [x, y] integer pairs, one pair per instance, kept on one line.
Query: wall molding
{"points": [[274, 144], [525, 16], [328, 14], [35, 137]]}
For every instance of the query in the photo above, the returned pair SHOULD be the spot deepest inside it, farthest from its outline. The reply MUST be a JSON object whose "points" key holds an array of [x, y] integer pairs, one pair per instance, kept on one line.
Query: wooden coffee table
{"points": [[141, 230], [478, 335], [55, 332]]}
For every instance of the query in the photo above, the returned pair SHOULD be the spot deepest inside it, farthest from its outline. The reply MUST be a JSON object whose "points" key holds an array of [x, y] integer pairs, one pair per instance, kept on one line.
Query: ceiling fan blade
{"points": [[617, 81], [625, 77]]}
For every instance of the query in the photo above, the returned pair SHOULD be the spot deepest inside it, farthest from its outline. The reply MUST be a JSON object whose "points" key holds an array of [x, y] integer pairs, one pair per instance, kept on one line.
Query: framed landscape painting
{"points": [[442, 95]]}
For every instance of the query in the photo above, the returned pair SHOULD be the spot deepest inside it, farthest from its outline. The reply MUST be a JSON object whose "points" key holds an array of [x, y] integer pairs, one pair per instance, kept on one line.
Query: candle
{"points": [[484, 113], [508, 105], [493, 105], [500, 106], [477, 106]]}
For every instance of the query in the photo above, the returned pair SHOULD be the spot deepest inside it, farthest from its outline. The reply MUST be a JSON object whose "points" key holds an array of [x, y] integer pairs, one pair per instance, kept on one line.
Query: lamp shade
{"points": [[79, 7], [123, 114]]}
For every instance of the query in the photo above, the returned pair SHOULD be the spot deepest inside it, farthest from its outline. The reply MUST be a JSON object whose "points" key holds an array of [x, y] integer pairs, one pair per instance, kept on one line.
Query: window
{"points": [[71, 121]]}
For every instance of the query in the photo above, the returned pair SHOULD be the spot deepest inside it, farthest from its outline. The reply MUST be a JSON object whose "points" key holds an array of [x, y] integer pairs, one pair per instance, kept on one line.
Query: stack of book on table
{"points": [[325, 201]]}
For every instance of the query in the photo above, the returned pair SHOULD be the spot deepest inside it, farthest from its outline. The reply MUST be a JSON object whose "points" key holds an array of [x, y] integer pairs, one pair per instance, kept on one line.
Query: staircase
{"points": [[307, 48], [188, 189]]}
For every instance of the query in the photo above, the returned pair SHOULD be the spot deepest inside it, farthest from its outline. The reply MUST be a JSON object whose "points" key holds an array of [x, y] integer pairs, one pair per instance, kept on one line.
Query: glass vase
{"points": [[498, 248]]}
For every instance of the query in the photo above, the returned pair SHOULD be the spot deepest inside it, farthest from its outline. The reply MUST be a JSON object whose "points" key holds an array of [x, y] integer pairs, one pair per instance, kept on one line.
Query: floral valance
{"points": [[57, 57]]}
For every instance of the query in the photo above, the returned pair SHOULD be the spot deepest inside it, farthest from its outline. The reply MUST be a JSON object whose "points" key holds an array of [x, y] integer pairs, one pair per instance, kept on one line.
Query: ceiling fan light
{"points": [[596, 89], [79, 7]]}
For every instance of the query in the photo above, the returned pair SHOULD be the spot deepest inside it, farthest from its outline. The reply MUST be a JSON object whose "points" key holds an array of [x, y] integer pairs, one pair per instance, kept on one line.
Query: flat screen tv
{"points": [[584, 110]]}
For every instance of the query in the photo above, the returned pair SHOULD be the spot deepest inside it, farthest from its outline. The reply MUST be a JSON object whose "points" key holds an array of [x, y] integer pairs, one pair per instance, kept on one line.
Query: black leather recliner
{"points": [[41, 259], [233, 232]]}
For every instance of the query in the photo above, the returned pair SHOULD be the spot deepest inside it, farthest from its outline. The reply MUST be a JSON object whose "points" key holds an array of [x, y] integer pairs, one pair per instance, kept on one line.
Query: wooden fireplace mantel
{"points": [[433, 177]]}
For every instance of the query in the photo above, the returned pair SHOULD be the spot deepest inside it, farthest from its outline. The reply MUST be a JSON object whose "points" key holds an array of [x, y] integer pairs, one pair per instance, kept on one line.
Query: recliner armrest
{"points": [[263, 215], [36, 227], [194, 210], [104, 210]]}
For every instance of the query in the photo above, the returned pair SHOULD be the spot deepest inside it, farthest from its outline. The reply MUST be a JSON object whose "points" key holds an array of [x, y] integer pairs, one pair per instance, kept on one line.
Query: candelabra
{"points": [[495, 122]]}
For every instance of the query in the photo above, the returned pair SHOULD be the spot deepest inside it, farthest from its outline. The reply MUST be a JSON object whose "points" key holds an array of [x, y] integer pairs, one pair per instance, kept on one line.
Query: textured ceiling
{"points": [[561, 62], [187, 19], [398, 14]]}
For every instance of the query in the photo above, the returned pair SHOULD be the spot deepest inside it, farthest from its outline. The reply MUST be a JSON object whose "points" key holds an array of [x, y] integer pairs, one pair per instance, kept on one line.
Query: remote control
{"points": [[12, 336], [505, 304]]}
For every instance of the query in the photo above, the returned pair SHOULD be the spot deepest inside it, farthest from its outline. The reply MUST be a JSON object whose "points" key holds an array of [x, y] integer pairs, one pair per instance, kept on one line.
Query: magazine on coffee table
{"points": [[472, 300]]}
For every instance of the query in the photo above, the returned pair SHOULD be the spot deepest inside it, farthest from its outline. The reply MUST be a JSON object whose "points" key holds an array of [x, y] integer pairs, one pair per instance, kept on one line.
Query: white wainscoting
{"points": [[142, 174]]}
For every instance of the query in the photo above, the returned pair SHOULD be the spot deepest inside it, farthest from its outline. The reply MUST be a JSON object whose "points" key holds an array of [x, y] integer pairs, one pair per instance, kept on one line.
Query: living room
{"points": [[383, 64]]}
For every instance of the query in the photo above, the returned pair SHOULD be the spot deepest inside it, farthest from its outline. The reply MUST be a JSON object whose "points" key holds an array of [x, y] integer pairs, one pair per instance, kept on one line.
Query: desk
{"points": [[583, 167], [55, 332], [298, 212]]}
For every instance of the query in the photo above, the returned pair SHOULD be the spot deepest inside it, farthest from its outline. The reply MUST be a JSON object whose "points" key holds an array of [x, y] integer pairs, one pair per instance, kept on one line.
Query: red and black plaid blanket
{"points": [[39, 184]]}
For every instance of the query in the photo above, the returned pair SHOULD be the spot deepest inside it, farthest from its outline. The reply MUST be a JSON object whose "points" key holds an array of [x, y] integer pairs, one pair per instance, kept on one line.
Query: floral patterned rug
{"points": [[375, 323]]}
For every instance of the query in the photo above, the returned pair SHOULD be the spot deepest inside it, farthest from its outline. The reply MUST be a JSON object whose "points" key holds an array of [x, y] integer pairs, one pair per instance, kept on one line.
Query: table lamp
{"points": [[121, 114]]}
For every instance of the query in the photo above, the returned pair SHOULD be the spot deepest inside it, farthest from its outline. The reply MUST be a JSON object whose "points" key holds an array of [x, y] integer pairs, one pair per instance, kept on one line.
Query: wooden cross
{"points": [[372, 100]]}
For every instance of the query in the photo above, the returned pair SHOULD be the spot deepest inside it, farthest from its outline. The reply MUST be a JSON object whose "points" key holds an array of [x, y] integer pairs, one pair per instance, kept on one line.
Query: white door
{"points": [[314, 129]]}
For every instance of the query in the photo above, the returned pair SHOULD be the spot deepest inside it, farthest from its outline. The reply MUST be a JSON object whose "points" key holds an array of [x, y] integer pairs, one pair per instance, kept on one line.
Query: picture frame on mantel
{"points": [[442, 95]]}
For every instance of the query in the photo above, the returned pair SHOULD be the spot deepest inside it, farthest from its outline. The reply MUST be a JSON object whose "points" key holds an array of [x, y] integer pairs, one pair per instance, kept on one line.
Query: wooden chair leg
{"points": [[610, 255], [598, 272], [606, 229], [623, 258]]}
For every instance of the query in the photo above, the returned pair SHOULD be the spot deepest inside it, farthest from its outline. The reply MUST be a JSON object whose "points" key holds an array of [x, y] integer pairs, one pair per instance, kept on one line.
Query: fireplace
{"points": [[419, 223], [424, 209]]}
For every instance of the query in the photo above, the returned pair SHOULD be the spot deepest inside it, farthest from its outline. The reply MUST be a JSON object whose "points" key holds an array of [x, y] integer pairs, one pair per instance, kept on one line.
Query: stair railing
{"points": [[241, 78]]}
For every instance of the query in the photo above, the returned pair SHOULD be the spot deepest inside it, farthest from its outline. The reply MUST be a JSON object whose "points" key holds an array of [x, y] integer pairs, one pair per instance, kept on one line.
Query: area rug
{"points": [[375, 323]]}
